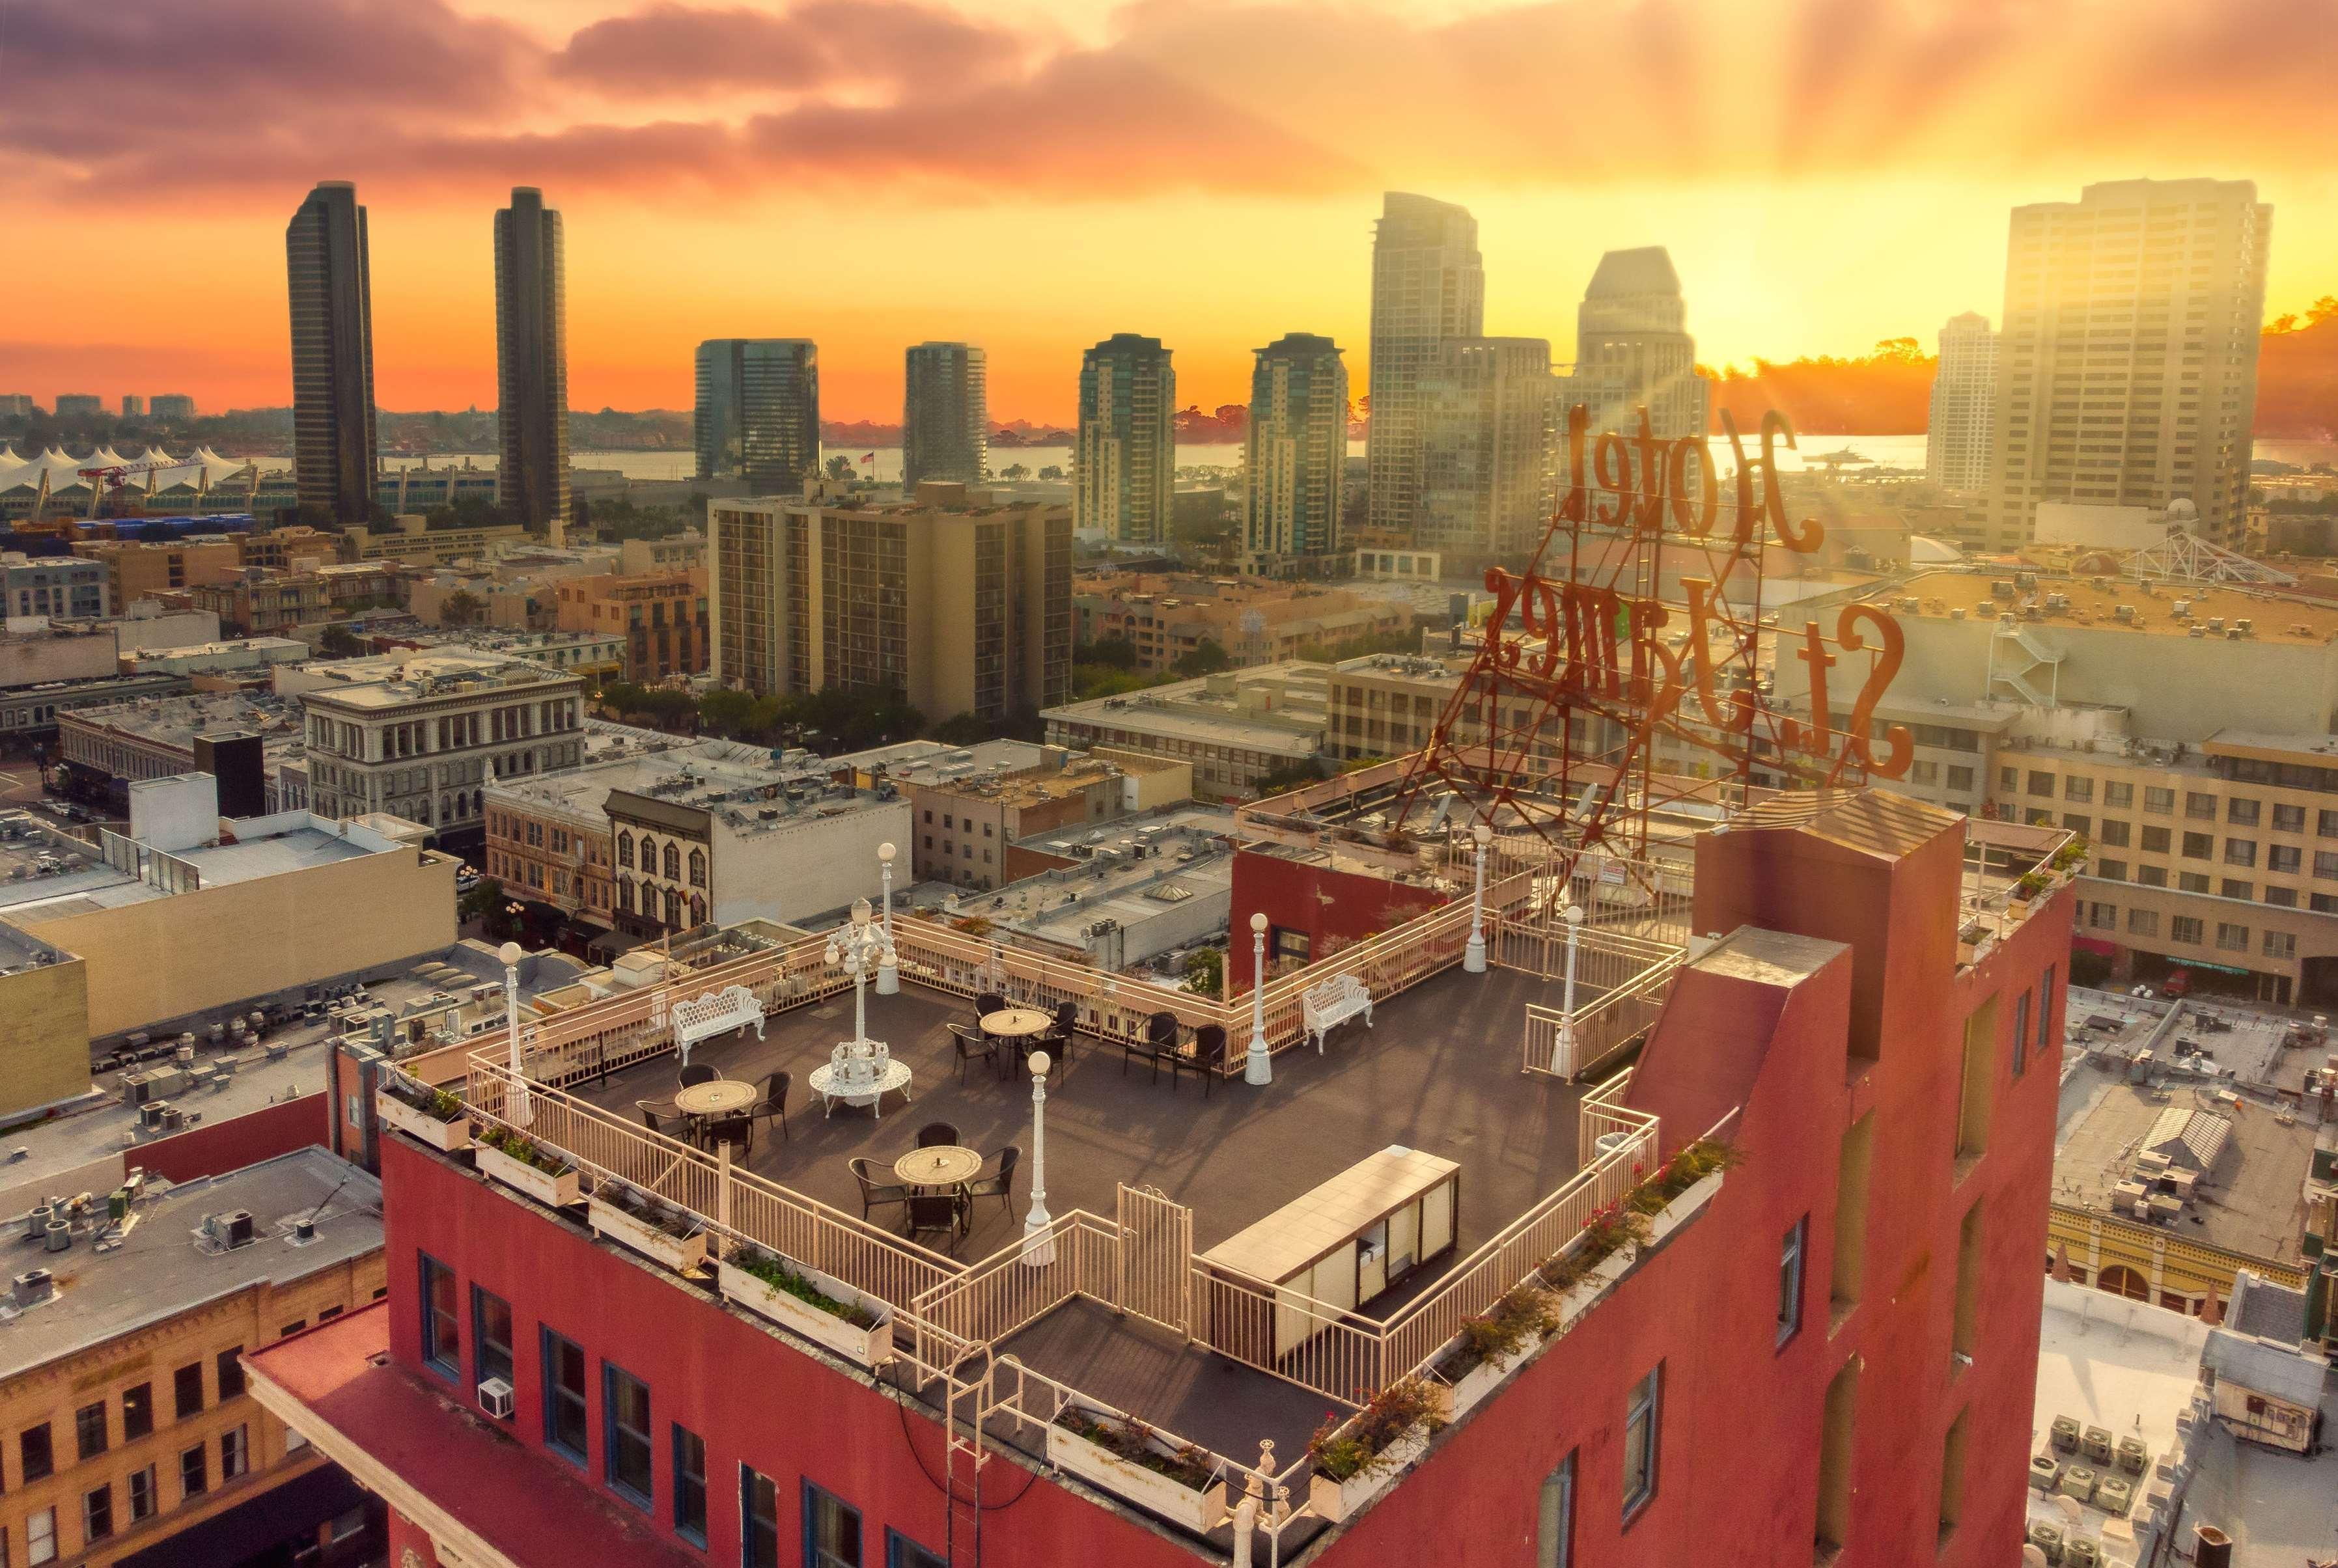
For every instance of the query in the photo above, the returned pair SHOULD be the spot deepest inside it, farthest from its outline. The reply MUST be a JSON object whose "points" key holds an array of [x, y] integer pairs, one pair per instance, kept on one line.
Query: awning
{"points": [[2102, 945], [289, 1513]]}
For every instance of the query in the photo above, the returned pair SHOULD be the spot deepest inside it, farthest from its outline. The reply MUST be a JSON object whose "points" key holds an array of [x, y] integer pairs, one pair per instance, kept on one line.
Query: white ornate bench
{"points": [[1326, 1006], [715, 1013]]}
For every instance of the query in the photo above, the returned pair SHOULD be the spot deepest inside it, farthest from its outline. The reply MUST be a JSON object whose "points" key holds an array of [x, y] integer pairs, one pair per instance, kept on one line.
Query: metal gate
{"points": [[1156, 1257]]}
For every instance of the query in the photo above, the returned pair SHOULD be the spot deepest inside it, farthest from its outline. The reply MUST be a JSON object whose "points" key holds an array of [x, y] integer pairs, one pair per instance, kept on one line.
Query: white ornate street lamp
{"points": [[888, 973], [522, 1114], [859, 947], [1473, 956], [1258, 1068], [1562, 1055], [1038, 1245]]}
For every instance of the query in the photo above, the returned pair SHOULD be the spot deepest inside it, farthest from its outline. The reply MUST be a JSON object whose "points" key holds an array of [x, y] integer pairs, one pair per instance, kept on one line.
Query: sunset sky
{"points": [[1036, 174]]}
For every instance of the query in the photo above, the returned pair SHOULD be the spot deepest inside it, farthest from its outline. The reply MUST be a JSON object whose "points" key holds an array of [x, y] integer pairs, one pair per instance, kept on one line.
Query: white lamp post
{"points": [[1038, 1247], [1258, 1068], [522, 1112], [858, 946], [1473, 956], [1562, 1055], [888, 974]]}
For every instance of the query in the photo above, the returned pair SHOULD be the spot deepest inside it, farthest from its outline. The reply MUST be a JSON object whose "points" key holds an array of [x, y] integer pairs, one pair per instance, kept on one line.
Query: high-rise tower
{"points": [[332, 352], [1490, 419], [1964, 390], [2128, 366], [1127, 450], [945, 414], [532, 361], [758, 415], [1631, 333], [1428, 286], [1296, 448]]}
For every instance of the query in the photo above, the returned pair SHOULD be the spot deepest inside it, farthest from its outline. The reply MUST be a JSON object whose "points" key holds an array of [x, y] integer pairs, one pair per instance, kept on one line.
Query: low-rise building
{"points": [[1237, 728], [1117, 897], [970, 804], [242, 656], [409, 537], [133, 1439], [29, 715], [137, 569], [1166, 618], [658, 619], [106, 750], [59, 586]]}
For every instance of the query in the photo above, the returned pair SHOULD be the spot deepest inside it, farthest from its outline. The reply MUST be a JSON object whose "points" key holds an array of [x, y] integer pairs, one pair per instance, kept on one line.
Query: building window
{"points": [[564, 1396], [491, 1334], [2021, 1034], [442, 1339], [35, 1457], [2102, 917], [2185, 928], [89, 1430], [1792, 1259], [137, 1411], [2156, 840], [2285, 898], [2199, 845], [625, 1442], [235, 1453], [2326, 824], [759, 1515], [690, 1484], [2280, 945], [2118, 797], [2199, 808], [97, 1514], [1643, 1425], [2285, 859], [2192, 881], [142, 1495], [1961, 779], [2143, 923], [2078, 789], [227, 1368], [195, 1472], [900, 1552], [2241, 813], [2115, 833], [187, 1390], [2288, 819], [2233, 887], [41, 1536], [2009, 779], [2159, 803], [624, 849], [2232, 938], [1554, 1540], [2041, 784], [832, 1531], [2111, 870], [2240, 851]]}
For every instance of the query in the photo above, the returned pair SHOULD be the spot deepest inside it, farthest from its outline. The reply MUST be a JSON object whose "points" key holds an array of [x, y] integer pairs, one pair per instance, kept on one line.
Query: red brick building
{"points": [[1829, 1358]]}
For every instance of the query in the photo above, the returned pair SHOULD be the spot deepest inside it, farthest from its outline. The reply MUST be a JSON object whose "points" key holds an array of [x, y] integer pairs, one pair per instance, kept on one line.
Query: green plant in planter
{"points": [[1690, 1164], [442, 1106], [1528, 1314], [773, 1270], [2029, 886], [2072, 854], [1131, 1439], [525, 1150], [1343, 1449]]}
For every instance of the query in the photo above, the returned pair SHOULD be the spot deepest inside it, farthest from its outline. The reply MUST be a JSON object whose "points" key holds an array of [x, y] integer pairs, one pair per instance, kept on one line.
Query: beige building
{"points": [[137, 570], [121, 1380], [2128, 363], [1964, 392], [966, 815], [961, 605], [1235, 728], [410, 537], [1166, 617]]}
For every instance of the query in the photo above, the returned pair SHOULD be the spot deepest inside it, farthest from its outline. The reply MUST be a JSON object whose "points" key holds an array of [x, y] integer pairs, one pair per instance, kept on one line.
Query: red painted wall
{"points": [[756, 1400], [213, 1147], [1335, 908]]}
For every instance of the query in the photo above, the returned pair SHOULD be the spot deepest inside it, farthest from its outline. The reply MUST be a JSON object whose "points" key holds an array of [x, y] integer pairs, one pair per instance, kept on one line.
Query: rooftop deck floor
{"points": [[1439, 1072]]}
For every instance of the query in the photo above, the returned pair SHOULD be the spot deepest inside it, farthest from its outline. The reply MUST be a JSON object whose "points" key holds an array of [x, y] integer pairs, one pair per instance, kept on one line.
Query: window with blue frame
{"points": [[758, 1520], [625, 1445], [442, 1339], [689, 1485], [491, 1334], [832, 1531], [900, 1552], [1643, 1413], [564, 1396], [2021, 1035]]}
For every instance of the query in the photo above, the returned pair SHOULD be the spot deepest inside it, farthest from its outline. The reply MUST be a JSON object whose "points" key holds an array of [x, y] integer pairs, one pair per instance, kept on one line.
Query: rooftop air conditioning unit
{"points": [[2233, 633], [495, 1399]]}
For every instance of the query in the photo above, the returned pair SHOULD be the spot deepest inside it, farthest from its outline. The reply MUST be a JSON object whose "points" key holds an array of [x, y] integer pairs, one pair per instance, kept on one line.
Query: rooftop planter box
{"points": [[1172, 1482], [1682, 1209], [1356, 1459], [527, 1171], [437, 1120], [823, 1309], [1341, 1500], [649, 1228], [1491, 1345]]}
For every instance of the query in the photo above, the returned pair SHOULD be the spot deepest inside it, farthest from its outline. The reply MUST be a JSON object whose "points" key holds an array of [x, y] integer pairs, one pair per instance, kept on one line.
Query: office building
{"points": [[19, 405], [661, 618], [1964, 394], [945, 414], [1490, 425], [958, 603], [758, 413], [1428, 286], [973, 805], [171, 405], [1238, 728], [57, 587], [1184, 1228], [1295, 453], [132, 1437], [331, 289], [132, 405], [532, 362], [1631, 333], [1164, 617], [1126, 458], [79, 405], [2128, 365]]}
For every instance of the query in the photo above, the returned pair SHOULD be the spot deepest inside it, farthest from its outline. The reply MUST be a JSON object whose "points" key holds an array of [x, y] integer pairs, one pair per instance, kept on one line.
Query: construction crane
{"points": [[106, 484]]}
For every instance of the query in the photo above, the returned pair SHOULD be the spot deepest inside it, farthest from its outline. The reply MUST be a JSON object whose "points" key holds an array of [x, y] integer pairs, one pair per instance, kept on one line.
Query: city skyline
{"points": [[1788, 241]]}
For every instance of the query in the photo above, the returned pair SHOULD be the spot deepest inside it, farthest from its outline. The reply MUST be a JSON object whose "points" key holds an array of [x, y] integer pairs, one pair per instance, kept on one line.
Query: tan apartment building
{"points": [[130, 1437], [966, 815], [1235, 728], [256, 602], [410, 537], [960, 605], [661, 618], [136, 569], [1167, 617]]}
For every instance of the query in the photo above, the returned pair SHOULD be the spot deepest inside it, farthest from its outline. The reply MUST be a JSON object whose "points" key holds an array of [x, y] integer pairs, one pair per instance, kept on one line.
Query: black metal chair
{"points": [[999, 1185], [774, 1102], [943, 1211], [936, 1134], [698, 1072], [660, 1119], [969, 1042], [1064, 1033], [1160, 1041], [986, 1004], [874, 1194], [739, 1131], [1207, 1059]]}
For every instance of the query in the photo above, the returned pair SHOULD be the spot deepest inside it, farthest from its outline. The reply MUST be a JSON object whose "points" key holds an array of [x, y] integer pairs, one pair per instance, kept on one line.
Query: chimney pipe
{"points": [[2211, 1547]]}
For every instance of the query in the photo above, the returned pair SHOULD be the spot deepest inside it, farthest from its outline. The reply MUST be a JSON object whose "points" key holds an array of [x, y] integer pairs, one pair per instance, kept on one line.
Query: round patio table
{"points": [[1017, 1023], [717, 1097], [938, 1165]]}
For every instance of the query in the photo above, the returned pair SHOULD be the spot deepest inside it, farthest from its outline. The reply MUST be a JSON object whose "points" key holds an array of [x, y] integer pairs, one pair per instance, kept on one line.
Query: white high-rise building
{"points": [[2127, 364], [1964, 391], [1631, 333], [1428, 286]]}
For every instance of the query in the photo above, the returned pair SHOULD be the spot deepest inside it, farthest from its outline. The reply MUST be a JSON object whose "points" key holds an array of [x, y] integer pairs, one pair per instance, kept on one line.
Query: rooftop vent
{"points": [[33, 1286]]}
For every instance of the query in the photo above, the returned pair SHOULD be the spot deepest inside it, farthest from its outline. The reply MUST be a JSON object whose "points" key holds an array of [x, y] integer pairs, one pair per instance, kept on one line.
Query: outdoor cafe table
{"points": [[938, 1165], [716, 1097], [1017, 1023]]}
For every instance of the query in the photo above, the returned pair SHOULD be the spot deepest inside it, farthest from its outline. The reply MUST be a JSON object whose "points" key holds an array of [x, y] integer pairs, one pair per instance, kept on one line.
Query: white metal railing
{"points": [[1604, 1026]]}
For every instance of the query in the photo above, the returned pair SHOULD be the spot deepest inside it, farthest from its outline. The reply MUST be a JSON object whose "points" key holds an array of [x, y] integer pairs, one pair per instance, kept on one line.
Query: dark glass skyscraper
{"points": [[1297, 449], [532, 360], [945, 413], [332, 352], [758, 415], [1128, 451]]}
